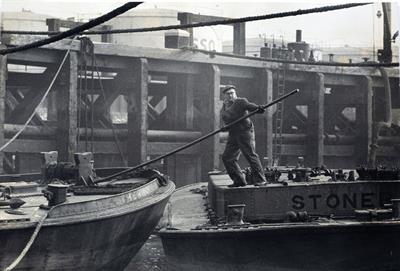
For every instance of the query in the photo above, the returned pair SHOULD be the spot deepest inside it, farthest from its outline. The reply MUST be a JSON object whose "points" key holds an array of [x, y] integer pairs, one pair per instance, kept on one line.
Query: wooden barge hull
{"points": [[330, 247], [97, 241]]}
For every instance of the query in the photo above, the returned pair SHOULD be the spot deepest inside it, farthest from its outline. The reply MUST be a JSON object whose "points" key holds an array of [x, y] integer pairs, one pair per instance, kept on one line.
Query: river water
{"points": [[150, 257]]}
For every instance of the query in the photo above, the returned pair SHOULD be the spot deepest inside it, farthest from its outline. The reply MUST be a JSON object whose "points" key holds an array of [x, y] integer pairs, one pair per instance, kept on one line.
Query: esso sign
{"points": [[204, 44], [207, 39]]}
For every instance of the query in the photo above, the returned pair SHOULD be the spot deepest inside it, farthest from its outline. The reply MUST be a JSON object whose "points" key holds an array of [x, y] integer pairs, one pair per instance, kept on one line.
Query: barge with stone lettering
{"points": [[303, 219], [66, 218]]}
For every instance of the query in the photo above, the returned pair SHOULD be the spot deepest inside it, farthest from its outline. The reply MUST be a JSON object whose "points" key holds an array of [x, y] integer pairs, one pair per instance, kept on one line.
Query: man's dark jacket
{"points": [[235, 110]]}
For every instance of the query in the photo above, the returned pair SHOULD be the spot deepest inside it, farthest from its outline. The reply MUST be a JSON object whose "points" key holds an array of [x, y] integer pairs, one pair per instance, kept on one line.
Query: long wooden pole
{"points": [[194, 142]]}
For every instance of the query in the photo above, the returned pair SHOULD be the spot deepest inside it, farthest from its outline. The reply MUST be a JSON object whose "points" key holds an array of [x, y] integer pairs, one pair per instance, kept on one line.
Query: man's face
{"points": [[230, 95]]}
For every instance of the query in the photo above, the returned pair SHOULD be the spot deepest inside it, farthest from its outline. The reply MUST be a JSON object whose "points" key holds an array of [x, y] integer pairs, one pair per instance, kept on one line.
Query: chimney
{"points": [[298, 35]]}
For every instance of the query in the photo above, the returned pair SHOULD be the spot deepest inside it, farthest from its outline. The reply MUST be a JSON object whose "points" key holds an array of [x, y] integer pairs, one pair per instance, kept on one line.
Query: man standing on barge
{"points": [[241, 138]]}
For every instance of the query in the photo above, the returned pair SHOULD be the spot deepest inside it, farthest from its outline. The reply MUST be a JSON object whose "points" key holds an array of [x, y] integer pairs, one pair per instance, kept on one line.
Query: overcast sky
{"points": [[352, 26]]}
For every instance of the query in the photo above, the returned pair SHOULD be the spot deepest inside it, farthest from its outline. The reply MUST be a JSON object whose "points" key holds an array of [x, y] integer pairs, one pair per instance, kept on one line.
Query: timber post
{"points": [[262, 94], [67, 100], [179, 102], [315, 122], [364, 121], [179, 116], [209, 82], [3, 79], [137, 113]]}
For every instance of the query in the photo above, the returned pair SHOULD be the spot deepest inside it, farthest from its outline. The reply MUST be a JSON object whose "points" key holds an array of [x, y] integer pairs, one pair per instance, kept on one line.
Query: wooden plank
{"points": [[165, 66], [180, 55], [106, 147], [341, 79], [176, 102], [31, 146], [364, 121], [102, 134], [293, 150], [29, 131], [107, 62], [170, 66], [237, 71], [100, 147], [121, 52], [331, 79], [179, 111], [315, 122], [67, 99], [173, 100], [388, 151], [349, 98], [329, 150], [52, 106], [160, 148], [3, 79], [208, 83], [197, 18], [39, 57], [170, 165], [189, 105], [339, 150], [137, 113], [262, 92]]}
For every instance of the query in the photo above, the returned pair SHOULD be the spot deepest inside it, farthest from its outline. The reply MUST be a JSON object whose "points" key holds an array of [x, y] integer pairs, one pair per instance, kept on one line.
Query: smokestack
{"points": [[298, 35]]}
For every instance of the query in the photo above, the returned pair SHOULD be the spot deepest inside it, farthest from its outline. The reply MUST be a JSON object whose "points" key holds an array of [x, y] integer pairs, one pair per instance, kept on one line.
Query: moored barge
{"points": [[328, 221], [62, 219]]}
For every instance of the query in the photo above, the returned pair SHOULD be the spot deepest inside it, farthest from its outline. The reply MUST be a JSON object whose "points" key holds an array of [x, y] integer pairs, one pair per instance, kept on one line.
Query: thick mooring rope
{"points": [[362, 64], [30, 242], [202, 24], [73, 31]]}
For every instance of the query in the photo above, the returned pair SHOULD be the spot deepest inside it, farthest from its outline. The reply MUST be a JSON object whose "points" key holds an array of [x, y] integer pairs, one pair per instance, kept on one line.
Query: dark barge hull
{"points": [[375, 246], [326, 242], [100, 243]]}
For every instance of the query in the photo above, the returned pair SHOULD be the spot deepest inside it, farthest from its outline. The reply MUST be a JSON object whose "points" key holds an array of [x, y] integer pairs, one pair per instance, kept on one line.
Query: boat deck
{"points": [[32, 195], [187, 207]]}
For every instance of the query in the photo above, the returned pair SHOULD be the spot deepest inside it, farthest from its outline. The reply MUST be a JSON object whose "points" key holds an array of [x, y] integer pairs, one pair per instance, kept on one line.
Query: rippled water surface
{"points": [[150, 257]]}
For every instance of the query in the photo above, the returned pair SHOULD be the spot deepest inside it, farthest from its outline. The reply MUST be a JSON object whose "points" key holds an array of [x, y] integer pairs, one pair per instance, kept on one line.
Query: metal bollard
{"points": [[235, 214], [56, 194]]}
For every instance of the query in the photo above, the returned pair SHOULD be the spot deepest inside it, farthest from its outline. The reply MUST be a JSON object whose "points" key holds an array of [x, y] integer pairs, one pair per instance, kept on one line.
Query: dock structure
{"points": [[173, 97]]}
